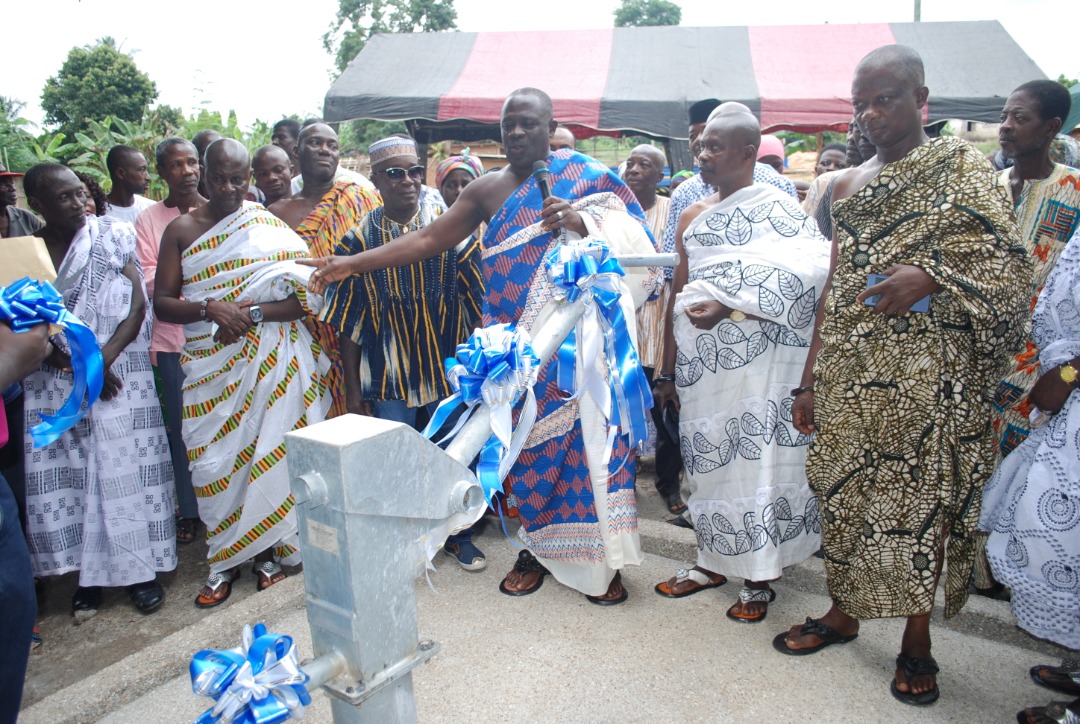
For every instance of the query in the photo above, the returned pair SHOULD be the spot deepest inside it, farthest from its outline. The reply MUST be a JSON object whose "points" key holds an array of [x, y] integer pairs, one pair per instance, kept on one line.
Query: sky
{"points": [[265, 63]]}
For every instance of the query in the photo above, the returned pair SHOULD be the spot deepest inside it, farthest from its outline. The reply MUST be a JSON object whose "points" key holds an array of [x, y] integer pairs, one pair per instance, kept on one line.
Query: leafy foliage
{"points": [[1067, 82], [96, 81], [357, 20], [647, 13]]}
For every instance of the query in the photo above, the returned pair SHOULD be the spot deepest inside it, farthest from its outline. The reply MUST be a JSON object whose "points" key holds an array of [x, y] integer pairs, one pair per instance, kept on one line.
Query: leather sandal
{"points": [[1056, 711], [220, 586], [602, 601], [912, 667], [267, 573], [147, 596], [751, 595], [86, 602], [526, 563], [1064, 679], [688, 582], [812, 627]]}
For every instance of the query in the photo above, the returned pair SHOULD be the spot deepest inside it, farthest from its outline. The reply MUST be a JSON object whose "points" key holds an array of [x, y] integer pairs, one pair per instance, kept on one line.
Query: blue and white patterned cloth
{"points": [[1031, 506]]}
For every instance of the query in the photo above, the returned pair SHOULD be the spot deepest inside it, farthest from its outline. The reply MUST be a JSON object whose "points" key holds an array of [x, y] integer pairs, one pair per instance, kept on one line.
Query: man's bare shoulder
{"points": [[851, 180], [694, 210], [186, 228], [293, 210]]}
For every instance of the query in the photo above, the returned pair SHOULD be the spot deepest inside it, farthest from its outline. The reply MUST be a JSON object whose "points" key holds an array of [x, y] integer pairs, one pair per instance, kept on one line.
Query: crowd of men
{"points": [[876, 367]]}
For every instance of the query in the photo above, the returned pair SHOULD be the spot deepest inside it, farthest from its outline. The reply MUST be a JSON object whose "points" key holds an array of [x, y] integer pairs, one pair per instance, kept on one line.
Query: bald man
{"points": [[272, 170], [562, 139], [644, 170], [928, 295], [752, 265], [227, 273], [322, 211]]}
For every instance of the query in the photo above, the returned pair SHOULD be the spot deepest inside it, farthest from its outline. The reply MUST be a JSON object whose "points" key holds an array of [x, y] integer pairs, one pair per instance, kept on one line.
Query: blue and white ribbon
{"points": [[28, 303], [586, 269], [496, 365], [258, 683]]}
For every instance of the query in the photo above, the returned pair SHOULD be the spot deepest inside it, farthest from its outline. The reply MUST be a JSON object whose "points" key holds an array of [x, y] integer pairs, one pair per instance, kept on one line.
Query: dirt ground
{"points": [[71, 653]]}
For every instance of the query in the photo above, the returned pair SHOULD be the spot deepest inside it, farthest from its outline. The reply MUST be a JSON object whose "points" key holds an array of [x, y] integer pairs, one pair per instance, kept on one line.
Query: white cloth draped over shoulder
{"points": [[1031, 506], [757, 252], [100, 500], [241, 398]]}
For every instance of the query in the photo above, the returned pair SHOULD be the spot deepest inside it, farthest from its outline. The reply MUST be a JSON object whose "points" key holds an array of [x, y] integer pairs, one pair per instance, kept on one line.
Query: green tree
{"points": [[1067, 82], [357, 20], [96, 81], [15, 137], [645, 13]]}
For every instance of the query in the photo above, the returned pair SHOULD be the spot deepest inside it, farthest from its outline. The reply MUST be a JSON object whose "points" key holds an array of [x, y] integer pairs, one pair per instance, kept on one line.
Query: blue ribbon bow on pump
{"points": [[258, 683], [495, 365], [585, 268], [28, 303]]}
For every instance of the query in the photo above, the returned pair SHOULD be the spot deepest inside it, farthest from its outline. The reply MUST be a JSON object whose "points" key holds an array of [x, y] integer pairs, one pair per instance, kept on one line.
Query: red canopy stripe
{"points": [[804, 71], [571, 66]]}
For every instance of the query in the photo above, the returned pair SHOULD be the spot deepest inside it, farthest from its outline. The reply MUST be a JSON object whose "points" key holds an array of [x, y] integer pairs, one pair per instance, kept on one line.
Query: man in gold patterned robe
{"points": [[897, 384]]}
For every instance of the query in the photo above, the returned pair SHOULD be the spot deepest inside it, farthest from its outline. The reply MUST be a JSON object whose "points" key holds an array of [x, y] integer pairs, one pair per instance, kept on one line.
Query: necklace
{"points": [[390, 226]]}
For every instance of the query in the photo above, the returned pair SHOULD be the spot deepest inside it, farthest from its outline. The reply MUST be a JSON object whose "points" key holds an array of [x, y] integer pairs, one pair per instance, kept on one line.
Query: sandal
{"points": [[675, 505], [1064, 679], [752, 595], [147, 596], [602, 601], [913, 667], [220, 587], [185, 530], [1055, 711], [688, 582], [267, 573], [812, 627], [524, 565], [85, 603]]}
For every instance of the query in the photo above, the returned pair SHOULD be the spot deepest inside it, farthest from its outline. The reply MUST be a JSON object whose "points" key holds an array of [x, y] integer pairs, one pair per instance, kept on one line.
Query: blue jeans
{"points": [[18, 606], [172, 392]]}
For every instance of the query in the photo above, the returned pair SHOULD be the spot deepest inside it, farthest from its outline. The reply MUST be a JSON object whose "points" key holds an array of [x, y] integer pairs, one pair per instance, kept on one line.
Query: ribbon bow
{"points": [[586, 268], [28, 303], [495, 365], [258, 683]]}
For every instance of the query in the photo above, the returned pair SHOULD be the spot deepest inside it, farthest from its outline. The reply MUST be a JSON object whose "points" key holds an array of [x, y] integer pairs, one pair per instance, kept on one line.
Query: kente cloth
{"points": [[902, 403], [339, 210], [757, 252], [577, 507], [650, 317], [241, 398], [691, 191], [100, 500], [406, 320], [1031, 506], [1048, 212]]}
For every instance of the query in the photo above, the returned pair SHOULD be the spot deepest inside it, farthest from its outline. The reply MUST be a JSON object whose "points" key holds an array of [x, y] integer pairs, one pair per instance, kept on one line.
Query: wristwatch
{"points": [[1069, 374], [736, 316], [255, 311]]}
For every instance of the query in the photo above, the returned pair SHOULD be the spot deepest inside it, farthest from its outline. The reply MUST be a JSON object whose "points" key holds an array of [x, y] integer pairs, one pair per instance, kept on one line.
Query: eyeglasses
{"points": [[416, 173]]}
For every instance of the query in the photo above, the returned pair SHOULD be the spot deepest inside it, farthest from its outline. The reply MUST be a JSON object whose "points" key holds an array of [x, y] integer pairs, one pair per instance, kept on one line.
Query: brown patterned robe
{"points": [[904, 440]]}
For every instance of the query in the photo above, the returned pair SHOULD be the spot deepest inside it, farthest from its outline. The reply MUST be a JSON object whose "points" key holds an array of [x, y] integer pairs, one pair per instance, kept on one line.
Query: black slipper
{"points": [[915, 667], [825, 632], [147, 596], [526, 563], [610, 601], [1068, 669]]}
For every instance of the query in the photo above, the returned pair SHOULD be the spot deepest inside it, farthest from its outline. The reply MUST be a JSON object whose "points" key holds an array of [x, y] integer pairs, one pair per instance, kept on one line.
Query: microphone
{"points": [[540, 173]]}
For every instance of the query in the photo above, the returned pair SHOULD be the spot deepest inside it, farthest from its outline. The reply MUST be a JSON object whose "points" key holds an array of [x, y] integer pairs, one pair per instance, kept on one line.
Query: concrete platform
{"points": [[553, 656]]}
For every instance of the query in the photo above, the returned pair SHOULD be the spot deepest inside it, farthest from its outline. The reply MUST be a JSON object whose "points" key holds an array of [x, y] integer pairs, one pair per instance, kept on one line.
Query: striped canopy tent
{"points": [[642, 81]]}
